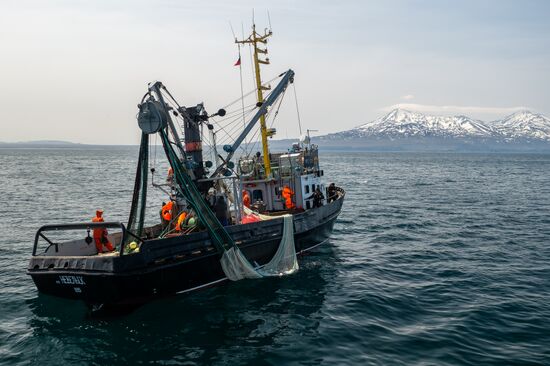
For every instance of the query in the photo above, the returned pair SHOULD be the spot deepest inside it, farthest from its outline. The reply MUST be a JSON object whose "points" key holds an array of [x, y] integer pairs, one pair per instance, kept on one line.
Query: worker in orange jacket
{"points": [[100, 234], [166, 213], [181, 221], [170, 176], [246, 198], [287, 195]]}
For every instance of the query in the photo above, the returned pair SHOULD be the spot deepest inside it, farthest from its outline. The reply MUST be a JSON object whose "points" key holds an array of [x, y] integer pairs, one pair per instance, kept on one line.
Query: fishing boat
{"points": [[241, 214]]}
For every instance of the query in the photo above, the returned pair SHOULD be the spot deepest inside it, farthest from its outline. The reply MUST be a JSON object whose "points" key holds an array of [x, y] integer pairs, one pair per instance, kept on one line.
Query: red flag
{"points": [[238, 63]]}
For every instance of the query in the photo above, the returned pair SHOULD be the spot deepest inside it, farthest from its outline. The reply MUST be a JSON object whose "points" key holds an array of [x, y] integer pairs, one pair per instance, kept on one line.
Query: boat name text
{"points": [[71, 280]]}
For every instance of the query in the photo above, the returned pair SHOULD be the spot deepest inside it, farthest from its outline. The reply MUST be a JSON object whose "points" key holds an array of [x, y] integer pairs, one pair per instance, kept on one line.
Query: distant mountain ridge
{"points": [[403, 129], [524, 124], [400, 123]]}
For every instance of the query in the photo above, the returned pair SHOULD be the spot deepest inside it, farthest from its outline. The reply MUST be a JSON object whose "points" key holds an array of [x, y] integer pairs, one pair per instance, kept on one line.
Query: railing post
{"points": [[123, 241]]}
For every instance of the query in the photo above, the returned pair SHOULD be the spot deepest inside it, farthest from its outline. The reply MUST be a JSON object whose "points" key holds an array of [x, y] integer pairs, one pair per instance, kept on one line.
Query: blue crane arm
{"points": [[279, 89]]}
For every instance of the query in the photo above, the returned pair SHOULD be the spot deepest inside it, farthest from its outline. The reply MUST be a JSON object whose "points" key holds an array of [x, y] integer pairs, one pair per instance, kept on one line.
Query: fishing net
{"points": [[139, 199], [237, 267], [248, 211]]}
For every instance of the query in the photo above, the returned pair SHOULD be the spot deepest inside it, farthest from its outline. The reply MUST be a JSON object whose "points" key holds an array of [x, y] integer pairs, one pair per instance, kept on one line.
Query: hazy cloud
{"points": [[454, 109], [75, 70]]}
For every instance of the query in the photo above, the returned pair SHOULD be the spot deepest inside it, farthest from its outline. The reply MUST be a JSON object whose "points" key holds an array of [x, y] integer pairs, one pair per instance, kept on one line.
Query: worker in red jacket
{"points": [[100, 234]]}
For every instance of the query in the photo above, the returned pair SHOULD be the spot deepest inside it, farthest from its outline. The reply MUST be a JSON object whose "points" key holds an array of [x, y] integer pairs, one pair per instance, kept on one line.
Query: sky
{"points": [[76, 70]]}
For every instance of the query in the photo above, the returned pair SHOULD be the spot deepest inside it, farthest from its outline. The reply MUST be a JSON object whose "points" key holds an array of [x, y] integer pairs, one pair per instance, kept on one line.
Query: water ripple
{"points": [[435, 260]]}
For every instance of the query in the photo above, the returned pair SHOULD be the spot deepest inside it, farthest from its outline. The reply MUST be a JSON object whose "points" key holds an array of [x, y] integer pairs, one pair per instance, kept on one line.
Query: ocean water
{"points": [[436, 259]]}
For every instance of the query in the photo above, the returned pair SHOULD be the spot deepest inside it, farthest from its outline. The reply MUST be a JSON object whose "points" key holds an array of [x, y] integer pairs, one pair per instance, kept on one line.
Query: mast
{"points": [[254, 39]]}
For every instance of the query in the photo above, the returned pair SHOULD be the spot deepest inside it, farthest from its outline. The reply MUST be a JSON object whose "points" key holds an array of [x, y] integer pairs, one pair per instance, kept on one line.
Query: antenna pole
{"points": [[308, 137]]}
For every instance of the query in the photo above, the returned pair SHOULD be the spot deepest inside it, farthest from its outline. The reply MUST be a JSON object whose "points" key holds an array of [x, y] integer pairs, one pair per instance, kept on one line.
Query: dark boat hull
{"points": [[173, 265]]}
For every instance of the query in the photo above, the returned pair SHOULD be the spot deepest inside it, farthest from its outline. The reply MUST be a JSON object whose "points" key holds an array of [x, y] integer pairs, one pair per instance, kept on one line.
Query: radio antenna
{"points": [[232, 31]]}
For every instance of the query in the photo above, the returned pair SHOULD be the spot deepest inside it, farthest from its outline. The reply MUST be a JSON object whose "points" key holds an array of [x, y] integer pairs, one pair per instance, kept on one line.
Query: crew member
{"points": [[331, 193], [100, 234], [181, 221], [317, 198], [221, 211], [246, 198], [170, 176], [287, 195], [166, 213], [211, 197]]}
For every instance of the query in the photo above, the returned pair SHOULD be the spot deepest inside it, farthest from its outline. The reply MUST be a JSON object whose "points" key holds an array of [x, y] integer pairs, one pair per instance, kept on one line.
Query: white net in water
{"points": [[284, 261], [237, 267]]}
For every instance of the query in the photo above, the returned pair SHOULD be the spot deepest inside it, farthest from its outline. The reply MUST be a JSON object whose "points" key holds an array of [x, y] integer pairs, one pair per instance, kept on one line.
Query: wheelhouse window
{"points": [[257, 195]]}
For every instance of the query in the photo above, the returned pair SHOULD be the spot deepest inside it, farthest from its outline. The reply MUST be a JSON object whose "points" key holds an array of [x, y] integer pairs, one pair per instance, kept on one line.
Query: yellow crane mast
{"points": [[254, 39]]}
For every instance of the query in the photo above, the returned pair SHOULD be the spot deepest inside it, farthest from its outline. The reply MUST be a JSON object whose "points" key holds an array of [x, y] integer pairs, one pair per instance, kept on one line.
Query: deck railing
{"points": [[88, 226]]}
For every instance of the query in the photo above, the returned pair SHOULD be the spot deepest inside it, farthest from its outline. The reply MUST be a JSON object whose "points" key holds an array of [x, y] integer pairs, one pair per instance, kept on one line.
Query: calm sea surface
{"points": [[436, 259]]}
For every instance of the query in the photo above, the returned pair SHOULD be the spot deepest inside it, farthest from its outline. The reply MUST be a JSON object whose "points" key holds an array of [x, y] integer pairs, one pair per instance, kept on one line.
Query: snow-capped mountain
{"points": [[524, 124], [401, 123]]}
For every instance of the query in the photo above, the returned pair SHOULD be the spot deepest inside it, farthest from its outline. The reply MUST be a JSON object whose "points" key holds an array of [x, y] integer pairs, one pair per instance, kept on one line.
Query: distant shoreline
{"points": [[323, 150], [325, 147]]}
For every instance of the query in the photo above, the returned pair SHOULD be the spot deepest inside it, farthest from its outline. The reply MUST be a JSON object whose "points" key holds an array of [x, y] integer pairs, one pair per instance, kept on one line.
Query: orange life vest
{"points": [[100, 235], [167, 211], [181, 220], [287, 194], [246, 199]]}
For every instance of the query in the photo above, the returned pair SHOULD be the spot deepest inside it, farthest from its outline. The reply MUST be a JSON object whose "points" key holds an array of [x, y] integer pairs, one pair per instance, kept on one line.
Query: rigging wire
{"points": [[226, 127], [252, 65], [278, 107], [231, 134], [254, 89], [232, 31], [242, 90], [231, 114], [297, 109], [256, 133], [234, 127], [249, 147], [228, 124], [234, 117], [149, 160], [253, 142], [155, 153]]}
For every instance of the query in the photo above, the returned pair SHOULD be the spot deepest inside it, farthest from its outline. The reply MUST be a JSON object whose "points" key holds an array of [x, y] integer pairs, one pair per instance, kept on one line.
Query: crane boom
{"points": [[279, 89]]}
